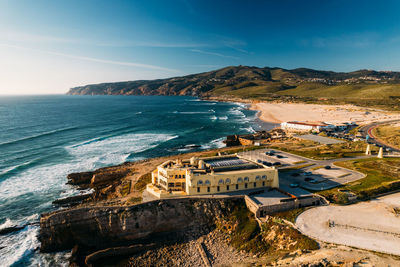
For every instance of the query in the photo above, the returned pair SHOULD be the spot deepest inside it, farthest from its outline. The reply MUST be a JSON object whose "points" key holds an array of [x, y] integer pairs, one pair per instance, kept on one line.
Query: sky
{"points": [[49, 46]]}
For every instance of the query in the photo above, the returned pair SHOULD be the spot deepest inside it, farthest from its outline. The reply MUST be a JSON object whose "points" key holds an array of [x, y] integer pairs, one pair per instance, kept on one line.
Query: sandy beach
{"points": [[281, 112]]}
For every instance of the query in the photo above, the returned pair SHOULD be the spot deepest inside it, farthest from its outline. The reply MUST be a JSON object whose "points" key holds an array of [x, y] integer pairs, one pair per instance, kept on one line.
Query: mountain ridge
{"points": [[260, 83]]}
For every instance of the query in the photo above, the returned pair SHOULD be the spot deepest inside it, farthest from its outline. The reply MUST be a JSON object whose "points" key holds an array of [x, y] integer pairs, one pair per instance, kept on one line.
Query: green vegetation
{"points": [[388, 134], [289, 215], [142, 182], [320, 152], [273, 240], [126, 188], [382, 176], [269, 84]]}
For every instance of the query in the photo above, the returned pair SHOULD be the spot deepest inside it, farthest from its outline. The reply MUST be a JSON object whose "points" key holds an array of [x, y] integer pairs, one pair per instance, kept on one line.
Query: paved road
{"points": [[367, 130]]}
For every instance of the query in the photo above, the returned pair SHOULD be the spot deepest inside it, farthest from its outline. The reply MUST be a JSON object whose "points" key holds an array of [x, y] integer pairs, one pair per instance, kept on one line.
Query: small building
{"points": [[211, 175], [306, 126]]}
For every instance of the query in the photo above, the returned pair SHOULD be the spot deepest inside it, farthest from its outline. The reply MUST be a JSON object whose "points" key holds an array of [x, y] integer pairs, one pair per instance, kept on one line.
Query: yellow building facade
{"points": [[210, 175]]}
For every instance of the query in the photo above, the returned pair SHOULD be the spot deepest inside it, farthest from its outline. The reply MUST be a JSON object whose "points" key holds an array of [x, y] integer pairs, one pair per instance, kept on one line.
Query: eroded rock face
{"points": [[102, 227], [80, 178]]}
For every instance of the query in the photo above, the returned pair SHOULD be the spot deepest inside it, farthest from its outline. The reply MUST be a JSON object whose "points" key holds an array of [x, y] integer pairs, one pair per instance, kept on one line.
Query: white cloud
{"points": [[212, 53]]}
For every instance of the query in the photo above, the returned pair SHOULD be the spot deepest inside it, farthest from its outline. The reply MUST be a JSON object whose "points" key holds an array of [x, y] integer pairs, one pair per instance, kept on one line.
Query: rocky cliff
{"points": [[102, 227]]}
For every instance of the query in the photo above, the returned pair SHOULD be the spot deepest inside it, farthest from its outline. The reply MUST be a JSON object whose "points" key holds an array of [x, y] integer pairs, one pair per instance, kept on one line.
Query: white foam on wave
{"points": [[223, 118], [216, 143], [18, 246], [194, 112], [43, 179], [248, 129], [236, 112], [213, 118]]}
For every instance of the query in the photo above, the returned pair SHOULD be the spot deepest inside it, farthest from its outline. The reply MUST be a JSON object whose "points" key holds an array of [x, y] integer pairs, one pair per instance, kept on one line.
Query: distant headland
{"points": [[362, 87]]}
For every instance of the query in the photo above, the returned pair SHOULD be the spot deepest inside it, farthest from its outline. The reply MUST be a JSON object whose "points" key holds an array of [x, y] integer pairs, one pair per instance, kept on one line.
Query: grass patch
{"points": [[323, 152], [382, 176], [274, 239], [142, 182], [126, 188], [296, 167], [317, 168], [290, 215], [388, 134]]}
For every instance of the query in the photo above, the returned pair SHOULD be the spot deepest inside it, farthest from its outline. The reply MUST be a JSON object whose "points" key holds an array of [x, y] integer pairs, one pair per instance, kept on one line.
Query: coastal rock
{"points": [[73, 200], [159, 220], [102, 178], [79, 178]]}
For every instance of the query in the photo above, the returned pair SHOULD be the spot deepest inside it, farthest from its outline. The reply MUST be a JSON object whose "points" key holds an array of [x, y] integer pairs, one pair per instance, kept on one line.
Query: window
{"points": [[180, 176], [170, 184], [258, 178], [207, 182], [263, 183], [218, 188], [183, 176], [198, 189], [200, 182], [264, 177], [239, 180], [208, 189], [237, 187], [255, 184], [176, 176], [245, 185], [246, 179], [221, 181], [227, 188], [227, 181]]}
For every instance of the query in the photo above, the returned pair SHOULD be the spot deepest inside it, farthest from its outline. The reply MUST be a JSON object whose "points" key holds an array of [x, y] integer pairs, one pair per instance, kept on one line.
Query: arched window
{"points": [[199, 182], [264, 177], [227, 181], [207, 182], [239, 180], [221, 181], [246, 179], [258, 178]]}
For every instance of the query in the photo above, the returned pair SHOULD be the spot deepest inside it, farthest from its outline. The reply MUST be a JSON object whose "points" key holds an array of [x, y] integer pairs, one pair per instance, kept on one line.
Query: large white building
{"points": [[306, 126]]}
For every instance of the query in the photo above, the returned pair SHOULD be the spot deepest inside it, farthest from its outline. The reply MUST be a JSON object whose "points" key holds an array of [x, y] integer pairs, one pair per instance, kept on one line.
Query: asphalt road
{"points": [[367, 130]]}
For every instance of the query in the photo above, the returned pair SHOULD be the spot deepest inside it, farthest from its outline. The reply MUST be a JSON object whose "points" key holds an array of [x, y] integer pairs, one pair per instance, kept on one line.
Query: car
{"points": [[308, 179], [276, 163], [279, 156], [313, 181], [295, 174], [307, 173], [293, 185], [266, 163], [327, 167], [259, 161]]}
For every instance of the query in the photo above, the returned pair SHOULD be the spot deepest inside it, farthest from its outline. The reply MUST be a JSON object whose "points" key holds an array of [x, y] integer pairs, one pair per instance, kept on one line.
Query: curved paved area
{"points": [[369, 225]]}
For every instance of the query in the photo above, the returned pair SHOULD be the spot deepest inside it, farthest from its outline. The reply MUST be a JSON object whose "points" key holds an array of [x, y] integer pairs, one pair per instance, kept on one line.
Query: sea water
{"points": [[43, 138]]}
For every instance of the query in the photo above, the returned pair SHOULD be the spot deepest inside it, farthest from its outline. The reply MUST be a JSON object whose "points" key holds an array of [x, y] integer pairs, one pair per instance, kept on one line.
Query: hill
{"points": [[378, 88]]}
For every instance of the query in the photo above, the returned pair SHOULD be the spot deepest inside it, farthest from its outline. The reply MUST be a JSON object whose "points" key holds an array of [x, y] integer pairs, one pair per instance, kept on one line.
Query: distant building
{"points": [[210, 175], [306, 126]]}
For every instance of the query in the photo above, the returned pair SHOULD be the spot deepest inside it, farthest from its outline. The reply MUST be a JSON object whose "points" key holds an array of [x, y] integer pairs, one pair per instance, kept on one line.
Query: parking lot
{"points": [[314, 175], [273, 156]]}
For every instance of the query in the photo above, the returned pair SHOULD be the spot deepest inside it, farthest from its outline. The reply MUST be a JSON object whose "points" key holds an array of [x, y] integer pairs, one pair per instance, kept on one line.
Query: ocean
{"points": [[43, 138]]}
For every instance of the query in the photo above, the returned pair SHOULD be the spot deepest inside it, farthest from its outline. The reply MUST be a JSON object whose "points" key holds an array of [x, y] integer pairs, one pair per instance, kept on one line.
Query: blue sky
{"points": [[50, 46]]}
